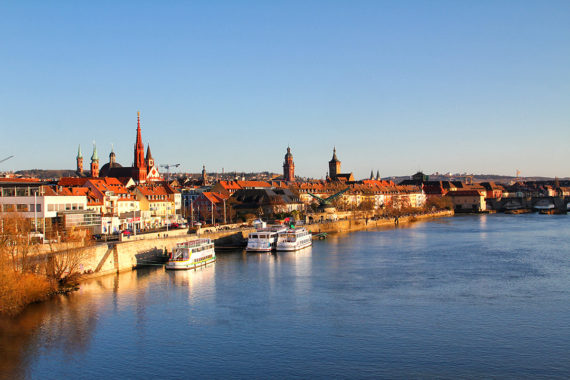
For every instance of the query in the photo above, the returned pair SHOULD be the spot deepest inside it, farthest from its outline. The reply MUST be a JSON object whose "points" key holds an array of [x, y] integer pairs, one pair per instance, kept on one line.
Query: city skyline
{"points": [[431, 86]]}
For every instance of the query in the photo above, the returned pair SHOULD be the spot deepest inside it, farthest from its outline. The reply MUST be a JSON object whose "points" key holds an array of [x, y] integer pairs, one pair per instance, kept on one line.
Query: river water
{"points": [[469, 297]]}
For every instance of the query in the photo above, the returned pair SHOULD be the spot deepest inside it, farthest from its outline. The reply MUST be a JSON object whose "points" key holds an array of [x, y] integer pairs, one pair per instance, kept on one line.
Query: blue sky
{"points": [[397, 86]]}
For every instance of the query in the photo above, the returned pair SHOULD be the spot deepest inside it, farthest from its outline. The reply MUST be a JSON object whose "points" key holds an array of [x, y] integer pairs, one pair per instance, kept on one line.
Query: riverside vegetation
{"points": [[28, 274]]}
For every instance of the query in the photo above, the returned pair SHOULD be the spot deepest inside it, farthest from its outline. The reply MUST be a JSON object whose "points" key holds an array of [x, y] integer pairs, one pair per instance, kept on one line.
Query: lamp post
{"points": [[35, 211]]}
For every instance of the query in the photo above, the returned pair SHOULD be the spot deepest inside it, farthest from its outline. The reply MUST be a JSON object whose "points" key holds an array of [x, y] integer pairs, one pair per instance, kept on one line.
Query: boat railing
{"points": [[192, 243]]}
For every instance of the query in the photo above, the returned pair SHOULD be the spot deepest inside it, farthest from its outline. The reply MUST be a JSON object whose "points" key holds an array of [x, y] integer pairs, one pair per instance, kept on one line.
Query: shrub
{"points": [[17, 290]]}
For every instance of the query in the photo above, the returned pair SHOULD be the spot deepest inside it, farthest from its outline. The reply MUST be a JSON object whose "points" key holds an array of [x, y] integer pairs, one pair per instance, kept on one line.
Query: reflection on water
{"points": [[195, 282], [65, 323], [471, 296]]}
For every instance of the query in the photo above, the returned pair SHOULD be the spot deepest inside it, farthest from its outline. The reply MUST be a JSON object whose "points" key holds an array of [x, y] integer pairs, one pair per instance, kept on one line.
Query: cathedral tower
{"points": [[94, 163], [79, 161]]}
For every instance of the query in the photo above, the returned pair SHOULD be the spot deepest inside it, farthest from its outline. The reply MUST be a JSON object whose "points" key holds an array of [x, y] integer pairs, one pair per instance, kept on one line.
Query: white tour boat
{"points": [[264, 239], [192, 254], [294, 239]]}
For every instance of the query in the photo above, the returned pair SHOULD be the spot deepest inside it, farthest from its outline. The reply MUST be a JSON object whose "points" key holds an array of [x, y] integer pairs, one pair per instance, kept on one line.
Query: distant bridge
{"points": [[513, 203]]}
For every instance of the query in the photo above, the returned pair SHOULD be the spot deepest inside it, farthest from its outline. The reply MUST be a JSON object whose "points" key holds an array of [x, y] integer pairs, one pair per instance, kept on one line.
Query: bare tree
{"points": [[16, 245], [65, 259]]}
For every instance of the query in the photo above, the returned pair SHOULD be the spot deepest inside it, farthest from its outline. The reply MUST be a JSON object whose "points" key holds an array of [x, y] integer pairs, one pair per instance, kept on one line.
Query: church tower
{"points": [[289, 167], [334, 165], [204, 176], [79, 161], [94, 163], [149, 160], [139, 170]]}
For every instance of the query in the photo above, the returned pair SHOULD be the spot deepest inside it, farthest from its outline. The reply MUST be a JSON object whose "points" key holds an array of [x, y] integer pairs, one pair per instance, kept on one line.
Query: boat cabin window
{"points": [[181, 254]]}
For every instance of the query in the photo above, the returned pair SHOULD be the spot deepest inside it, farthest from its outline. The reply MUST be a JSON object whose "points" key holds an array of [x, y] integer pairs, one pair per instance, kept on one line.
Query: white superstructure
{"points": [[192, 254], [264, 239], [294, 239]]}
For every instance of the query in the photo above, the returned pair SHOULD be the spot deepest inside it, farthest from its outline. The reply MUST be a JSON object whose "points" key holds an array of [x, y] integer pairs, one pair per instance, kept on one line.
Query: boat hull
{"points": [[268, 249], [293, 246], [185, 265]]}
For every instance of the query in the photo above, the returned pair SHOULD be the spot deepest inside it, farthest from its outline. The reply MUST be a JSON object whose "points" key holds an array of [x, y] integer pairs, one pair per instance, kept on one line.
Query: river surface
{"points": [[462, 297]]}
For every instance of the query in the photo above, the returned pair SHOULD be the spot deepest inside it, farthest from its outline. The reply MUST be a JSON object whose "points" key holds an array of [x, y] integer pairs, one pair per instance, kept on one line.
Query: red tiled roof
{"points": [[20, 180], [214, 197], [72, 181], [230, 185], [152, 190], [244, 184]]}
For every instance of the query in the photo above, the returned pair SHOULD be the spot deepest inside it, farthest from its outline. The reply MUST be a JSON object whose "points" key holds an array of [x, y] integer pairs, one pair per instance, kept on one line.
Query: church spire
{"points": [[139, 170], [149, 160], [139, 146], [334, 159]]}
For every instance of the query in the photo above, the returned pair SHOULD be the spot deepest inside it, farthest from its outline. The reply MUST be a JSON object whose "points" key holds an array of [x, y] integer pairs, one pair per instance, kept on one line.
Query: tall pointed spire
{"points": [[334, 155], [79, 155], [139, 170], [139, 146], [149, 159]]}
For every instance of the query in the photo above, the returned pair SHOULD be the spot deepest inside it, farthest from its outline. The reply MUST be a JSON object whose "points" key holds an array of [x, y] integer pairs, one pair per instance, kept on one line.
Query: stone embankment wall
{"points": [[115, 257], [347, 225]]}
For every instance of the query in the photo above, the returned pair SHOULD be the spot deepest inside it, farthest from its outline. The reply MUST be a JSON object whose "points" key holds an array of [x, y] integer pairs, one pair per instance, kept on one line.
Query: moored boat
{"points": [[294, 239], [192, 254], [264, 239]]}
